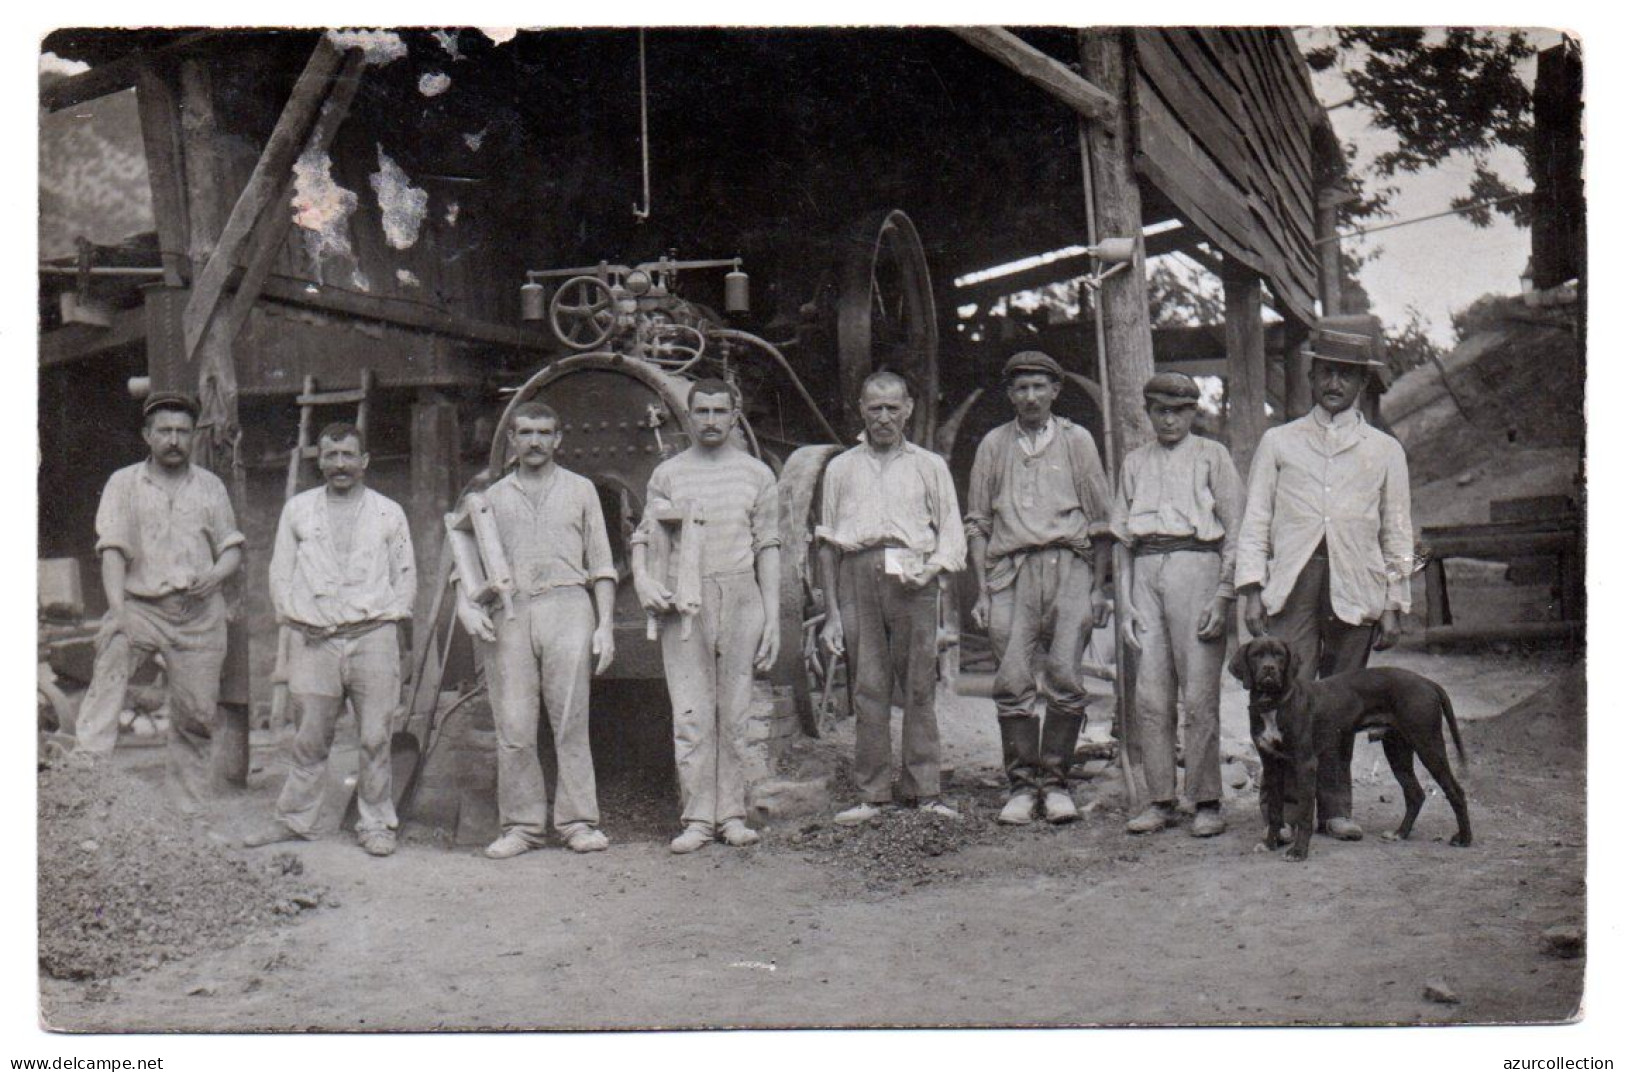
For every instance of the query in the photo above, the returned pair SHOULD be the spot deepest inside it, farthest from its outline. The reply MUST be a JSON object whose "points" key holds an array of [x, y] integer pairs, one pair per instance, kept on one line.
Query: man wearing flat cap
{"points": [[1038, 498], [1176, 518], [1325, 557], [168, 541]]}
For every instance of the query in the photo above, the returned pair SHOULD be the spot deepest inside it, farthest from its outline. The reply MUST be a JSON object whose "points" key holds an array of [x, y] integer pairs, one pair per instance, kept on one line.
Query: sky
{"points": [[1438, 266]]}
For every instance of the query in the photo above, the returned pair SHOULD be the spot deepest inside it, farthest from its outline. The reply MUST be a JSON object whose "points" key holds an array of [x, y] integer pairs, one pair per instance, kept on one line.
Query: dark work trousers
{"points": [[1323, 644], [1042, 622], [891, 635]]}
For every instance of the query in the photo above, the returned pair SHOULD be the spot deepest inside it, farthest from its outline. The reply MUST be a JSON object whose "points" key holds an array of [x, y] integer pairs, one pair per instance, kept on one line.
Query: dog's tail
{"points": [[1450, 720]]}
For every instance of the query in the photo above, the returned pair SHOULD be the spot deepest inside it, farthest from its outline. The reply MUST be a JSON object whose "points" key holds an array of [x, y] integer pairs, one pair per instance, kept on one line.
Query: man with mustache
{"points": [[1325, 556], [1038, 494], [168, 541], [551, 526], [709, 655], [343, 579], [889, 528]]}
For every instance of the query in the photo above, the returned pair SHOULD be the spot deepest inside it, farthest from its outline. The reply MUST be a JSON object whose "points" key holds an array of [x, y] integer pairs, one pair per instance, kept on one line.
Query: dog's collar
{"points": [[1256, 706]]}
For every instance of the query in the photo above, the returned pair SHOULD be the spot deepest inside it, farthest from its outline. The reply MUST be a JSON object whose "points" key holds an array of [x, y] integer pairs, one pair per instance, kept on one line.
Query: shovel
{"points": [[406, 751]]}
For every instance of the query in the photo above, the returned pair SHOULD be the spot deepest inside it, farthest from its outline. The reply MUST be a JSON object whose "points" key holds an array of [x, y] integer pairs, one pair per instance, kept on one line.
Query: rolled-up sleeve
{"points": [[1253, 547], [1094, 494], [600, 562], [1395, 534], [979, 507], [659, 495], [284, 554], [949, 555], [1126, 479], [829, 513], [1227, 507], [115, 519], [764, 517], [221, 521], [403, 570]]}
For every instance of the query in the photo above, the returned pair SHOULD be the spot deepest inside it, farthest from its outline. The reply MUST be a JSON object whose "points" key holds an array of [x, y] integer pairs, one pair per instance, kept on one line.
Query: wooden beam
{"points": [[272, 230], [1180, 239], [79, 341], [404, 313], [281, 149], [166, 166], [107, 78], [1248, 388], [1052, 76]]}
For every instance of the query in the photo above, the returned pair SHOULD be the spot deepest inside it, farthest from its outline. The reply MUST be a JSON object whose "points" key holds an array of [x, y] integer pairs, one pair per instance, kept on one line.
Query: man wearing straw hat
{"points": [[1325, 558]]}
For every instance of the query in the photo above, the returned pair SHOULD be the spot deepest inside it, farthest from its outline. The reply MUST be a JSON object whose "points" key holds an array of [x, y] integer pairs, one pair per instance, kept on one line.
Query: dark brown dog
{"points": [[1294, 724]]}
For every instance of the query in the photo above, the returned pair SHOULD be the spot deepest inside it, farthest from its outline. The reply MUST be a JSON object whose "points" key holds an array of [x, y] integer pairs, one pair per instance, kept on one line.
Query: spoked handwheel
{"points": [[818, 682], [886, 315], [583, 312]]}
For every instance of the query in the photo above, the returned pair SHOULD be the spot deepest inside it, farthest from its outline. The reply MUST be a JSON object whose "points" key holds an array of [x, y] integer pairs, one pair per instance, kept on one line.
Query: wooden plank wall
{"points": [[1224, 120]]}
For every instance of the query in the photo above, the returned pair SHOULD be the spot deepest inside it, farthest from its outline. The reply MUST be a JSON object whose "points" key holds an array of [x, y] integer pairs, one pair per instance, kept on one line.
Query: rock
{"points": [[304, 899], [202, 990], [786, 798], [1439, 993], [1235, 775], [88, 845], [1565, 942]]}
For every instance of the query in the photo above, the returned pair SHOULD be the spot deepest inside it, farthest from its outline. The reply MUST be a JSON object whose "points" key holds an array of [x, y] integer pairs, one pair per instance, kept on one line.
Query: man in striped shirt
{"points": [[711, 650]]}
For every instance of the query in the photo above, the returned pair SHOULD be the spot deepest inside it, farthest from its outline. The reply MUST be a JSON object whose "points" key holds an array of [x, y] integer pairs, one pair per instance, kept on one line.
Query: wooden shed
{"points": [[325, 204]]}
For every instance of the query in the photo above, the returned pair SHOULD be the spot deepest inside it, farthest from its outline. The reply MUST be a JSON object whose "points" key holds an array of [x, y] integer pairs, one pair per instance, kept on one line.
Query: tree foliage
{"points": [[1440, 92]]}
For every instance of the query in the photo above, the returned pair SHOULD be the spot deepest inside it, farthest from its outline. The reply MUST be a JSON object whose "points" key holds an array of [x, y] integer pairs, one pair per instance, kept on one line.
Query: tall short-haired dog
{"points": [[1294, 724]]}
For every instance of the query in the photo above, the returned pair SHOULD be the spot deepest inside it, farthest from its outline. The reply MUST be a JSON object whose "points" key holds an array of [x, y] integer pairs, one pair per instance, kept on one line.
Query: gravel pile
{"points": [[125, 885], [902, 846]]}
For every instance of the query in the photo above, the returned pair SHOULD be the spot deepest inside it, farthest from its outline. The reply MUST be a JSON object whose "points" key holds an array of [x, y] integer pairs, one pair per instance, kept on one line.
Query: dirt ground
{"points": [[935, 922]]}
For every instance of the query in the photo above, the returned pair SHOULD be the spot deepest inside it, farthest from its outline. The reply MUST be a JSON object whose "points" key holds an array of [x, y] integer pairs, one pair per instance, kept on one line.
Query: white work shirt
{"points": [[313, 584], [1335, 479]]}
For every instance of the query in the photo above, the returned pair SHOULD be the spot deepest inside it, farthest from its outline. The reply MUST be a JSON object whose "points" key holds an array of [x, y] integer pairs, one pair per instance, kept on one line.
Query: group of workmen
{"points": [[1321, 555]]}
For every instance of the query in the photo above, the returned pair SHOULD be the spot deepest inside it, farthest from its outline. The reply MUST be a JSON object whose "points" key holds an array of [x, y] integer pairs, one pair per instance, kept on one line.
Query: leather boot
{"points": [[1021, 759], [1060, 740]]}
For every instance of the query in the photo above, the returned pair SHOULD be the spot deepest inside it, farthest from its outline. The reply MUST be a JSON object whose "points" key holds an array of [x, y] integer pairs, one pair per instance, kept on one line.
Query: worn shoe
{"points": [[1208, 823], [1059, 807], [1155, 817], [587, 839], [271, 833], [1344, 829], [737, 834], [857, 814], [510, 844], [939, 809], [691, 840], [1020, 808], [377, 842]]}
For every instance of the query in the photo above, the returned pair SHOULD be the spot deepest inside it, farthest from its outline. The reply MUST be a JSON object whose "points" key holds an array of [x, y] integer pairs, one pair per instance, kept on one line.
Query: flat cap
{"points": [[171, 400], [1172, 389], [1033, 361], [1343, 347]]}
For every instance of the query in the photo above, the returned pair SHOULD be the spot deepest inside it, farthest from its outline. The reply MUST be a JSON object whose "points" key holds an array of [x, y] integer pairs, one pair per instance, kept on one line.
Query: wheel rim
{"points": [[886, 314]]}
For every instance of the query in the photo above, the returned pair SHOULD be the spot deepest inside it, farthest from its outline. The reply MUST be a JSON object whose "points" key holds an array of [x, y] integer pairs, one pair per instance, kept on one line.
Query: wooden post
{"points": [[434, 486], [1247, 386], [1298, 397], [1123, 302], [1330, 249], [166, 168], [1123, 315]]}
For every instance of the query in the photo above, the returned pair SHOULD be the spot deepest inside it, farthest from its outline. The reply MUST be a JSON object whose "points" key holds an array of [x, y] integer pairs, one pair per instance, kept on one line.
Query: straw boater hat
{"points": [[1342, 347]]}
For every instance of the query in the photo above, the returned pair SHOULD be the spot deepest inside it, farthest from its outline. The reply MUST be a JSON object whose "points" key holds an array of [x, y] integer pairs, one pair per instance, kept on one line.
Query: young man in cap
{"points": [[1038, 496], [1325, 556], [168, 540], [551, 527], [343, 579], [709, 656], [889, 528], [1176, 518]]}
